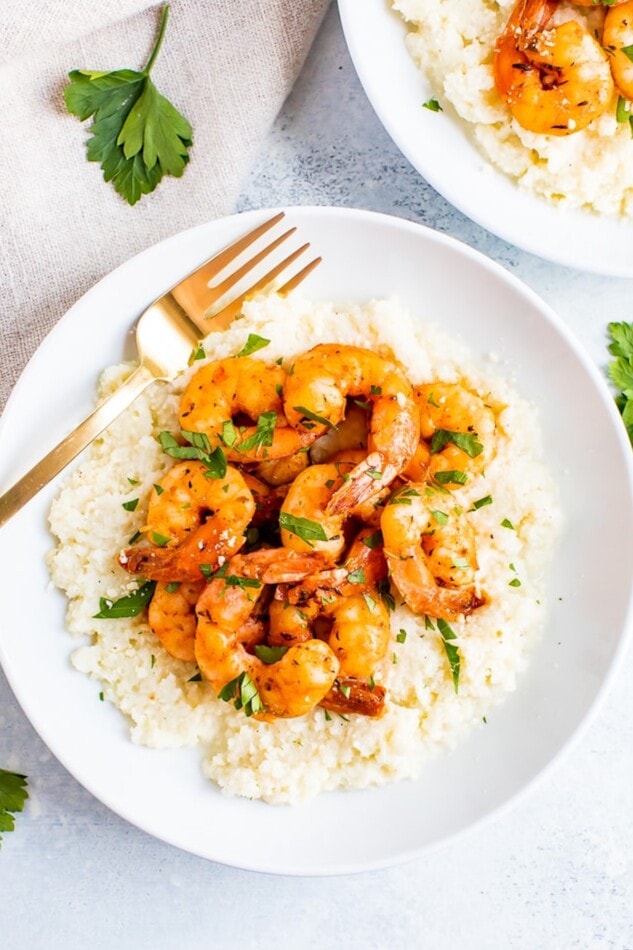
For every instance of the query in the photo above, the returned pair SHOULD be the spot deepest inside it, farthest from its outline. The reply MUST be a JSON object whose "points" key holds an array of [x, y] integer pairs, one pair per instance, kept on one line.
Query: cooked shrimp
{"points": [[290, 687], [278, 472], [617, 39], [197, 522], [223, 393], [356, 627], [172, 617], [364, 567], [308, 499], [555, 80], [275, 565], [458, 430], [268, 499], [430, 549], [315, 398], [349, 435]]}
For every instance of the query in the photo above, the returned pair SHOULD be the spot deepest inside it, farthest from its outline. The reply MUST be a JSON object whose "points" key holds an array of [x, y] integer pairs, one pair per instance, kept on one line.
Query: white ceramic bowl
{"points": [[365, 255], [438, 146]]}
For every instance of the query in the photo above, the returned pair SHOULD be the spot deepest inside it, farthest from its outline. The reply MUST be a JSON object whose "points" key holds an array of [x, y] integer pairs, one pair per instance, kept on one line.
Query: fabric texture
{"points": [[227, 65]]}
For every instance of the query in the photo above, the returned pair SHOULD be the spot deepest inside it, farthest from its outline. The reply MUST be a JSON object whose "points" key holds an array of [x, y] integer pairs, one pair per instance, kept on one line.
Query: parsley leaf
{"points": [[242, 693], [253, 344], [199, 448], [621, 370], [463, 440], [452, 650], [129, 606], [262, 436], [13, 794], [305, 529], [136, 135]]}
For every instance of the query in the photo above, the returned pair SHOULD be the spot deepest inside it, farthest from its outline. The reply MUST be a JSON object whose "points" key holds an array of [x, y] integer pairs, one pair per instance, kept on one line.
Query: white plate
{"points": [[365, 255], [439, 148]]}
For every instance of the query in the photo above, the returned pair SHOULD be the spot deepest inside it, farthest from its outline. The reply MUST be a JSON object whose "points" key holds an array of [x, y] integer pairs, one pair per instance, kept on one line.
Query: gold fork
{"points": [[167, 333]]}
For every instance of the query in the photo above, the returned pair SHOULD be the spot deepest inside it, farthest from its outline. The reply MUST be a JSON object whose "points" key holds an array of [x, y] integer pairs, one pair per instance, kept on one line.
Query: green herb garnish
{"points": [[305, 529], [136, 135], [253, 344], [263, 434], [129, 606], [357, 577], [268, 654], [13, 795], [199, 448], [463, 440], [242, 693], [314, 417], [481, 503], [621, 370], [452, 650], [433, 105], [130, 505], [451, 477]]}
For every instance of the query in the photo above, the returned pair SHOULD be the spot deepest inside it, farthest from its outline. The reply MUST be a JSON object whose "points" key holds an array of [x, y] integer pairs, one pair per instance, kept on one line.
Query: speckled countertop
{"points": [[555, 872]]}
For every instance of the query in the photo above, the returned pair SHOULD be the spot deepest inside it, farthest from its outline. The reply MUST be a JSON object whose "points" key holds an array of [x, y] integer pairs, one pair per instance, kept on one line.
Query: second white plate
{"points": [[441, 151]]}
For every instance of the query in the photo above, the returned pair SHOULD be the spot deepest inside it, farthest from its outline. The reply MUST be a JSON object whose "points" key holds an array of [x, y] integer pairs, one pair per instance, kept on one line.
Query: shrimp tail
{"points": [[349, 695], [363, 484], [188, 561], [277, 565]]}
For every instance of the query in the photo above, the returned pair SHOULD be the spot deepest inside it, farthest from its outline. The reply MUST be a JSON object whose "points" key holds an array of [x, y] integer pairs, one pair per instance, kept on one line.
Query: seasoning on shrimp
{"points": [[318, 389], [193, 521], [430, 549], [457, 431], [224, 398], [555, 80], [228, 624]]}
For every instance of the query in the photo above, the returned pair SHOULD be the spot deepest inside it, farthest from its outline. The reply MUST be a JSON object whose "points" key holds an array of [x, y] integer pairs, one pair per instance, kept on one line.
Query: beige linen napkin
{"points": [[227, 65]]}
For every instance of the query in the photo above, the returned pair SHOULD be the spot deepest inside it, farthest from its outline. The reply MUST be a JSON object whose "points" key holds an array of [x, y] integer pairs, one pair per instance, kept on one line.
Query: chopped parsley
{"points": [[465, 441], [373, 540], [481, 503], [305, 529], [268, 654], [452, 650], [199, 448], [432, 105], [253, 344], [313, 417], [197, 354], [243, 694], [263, 434], [129, 606], [130, 505], [451, 477]]}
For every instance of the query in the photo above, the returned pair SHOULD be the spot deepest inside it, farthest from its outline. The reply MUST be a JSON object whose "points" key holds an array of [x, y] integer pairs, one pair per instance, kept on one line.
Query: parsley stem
{"points": [[159, 42]]}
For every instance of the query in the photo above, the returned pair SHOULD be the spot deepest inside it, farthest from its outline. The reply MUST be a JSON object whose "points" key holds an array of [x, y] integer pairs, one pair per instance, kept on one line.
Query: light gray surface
{"points": [[554, 872]]}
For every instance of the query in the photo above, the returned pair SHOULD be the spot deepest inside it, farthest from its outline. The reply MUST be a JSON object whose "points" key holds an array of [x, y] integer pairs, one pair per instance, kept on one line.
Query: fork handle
{"points": [[61, 456]]}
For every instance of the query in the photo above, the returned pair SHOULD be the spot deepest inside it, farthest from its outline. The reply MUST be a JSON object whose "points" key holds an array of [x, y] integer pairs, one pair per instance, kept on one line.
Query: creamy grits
{"points": [[289, 760]]}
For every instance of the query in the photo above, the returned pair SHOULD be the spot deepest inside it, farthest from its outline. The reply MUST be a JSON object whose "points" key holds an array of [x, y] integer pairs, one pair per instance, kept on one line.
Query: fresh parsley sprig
{"points": [[13, 794], [136, 135], [621, 370]]}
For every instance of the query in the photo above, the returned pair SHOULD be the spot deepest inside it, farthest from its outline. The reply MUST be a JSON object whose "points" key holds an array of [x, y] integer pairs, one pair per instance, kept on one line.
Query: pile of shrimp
{"points": [[302, 499], [556, 79]]}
